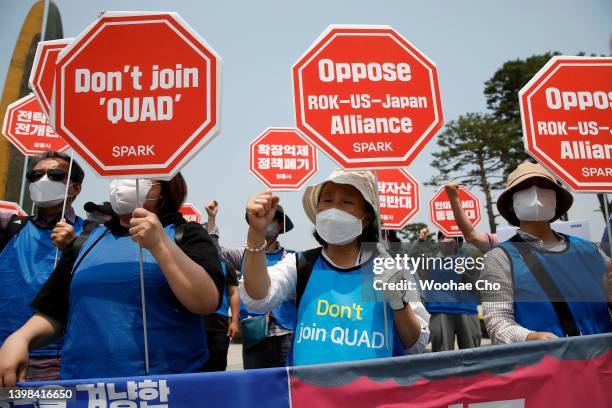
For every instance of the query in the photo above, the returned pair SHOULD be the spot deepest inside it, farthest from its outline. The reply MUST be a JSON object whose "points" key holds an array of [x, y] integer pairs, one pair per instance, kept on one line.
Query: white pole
{"points": [[284, 219], [23, 180], [142, 294], [65, 200]]}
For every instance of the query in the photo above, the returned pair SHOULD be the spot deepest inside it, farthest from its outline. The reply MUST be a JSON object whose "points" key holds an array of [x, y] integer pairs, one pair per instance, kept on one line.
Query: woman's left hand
{"points": [[146, 229]]}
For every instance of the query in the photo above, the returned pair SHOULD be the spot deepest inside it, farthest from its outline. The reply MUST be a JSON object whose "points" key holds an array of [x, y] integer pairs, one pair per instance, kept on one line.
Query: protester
{"points": [[481, 240], [98, 214], [454, 313], [341, 316], [422, 245], [539, 266], [220, 327], [28, 253], [94, 294], [272, 346]]}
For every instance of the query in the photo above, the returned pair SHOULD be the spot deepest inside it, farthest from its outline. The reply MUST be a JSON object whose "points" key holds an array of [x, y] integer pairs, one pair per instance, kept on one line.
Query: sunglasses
{"points": [[53, 174]]}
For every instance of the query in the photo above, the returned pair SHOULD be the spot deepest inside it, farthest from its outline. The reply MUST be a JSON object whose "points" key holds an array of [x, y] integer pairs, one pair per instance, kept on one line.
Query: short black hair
{"points": [[458, 239], [173, 194], [77, 175]]}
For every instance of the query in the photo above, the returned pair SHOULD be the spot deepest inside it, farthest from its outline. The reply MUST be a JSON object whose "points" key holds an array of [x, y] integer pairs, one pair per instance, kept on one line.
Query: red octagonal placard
{"points": [[42, 75], [441, 213], [282, 159], [27, 128], [566, 110], [191, 213], [367, 97], [398, 195], [137, 94], [11, 208]]}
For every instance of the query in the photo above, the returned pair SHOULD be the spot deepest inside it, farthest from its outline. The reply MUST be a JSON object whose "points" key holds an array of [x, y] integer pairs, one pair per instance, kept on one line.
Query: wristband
{"points": [[259, 249]]}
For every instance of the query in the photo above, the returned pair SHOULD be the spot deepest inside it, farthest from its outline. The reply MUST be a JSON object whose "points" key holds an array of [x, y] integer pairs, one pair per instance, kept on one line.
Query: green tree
{"points": [[469, 153], [501, 93]]}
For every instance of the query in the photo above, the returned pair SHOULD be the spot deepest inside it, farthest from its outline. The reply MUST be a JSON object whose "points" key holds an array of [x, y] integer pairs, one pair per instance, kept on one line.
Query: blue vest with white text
{"points": [[26, 263], [578, 272], [342, 318], [285, 315], [104, 333]]}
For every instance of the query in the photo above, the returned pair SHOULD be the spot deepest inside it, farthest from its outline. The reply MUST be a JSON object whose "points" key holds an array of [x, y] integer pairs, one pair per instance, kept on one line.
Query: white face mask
{"points": [[535, 204], [338, 227], [123, 197], [46, 193], [272, 230]]}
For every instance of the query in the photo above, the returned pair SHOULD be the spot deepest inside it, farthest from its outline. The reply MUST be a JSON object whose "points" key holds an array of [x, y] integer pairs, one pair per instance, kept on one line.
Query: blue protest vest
{"points": [[25, 265], [285, 315], [342, 318], [448, 301], [578, 272], [224, 308], [104, 333]]}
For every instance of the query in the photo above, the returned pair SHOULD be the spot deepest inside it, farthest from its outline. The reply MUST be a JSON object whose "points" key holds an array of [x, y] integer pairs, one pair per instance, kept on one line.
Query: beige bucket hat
{"points": [[517, 180], [362, 180]]}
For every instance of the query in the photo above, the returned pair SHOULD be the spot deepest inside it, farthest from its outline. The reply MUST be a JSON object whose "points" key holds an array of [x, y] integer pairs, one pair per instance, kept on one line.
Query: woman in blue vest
{"points": [[343, 313], [539, 266], [27, 254], [94, 295]]}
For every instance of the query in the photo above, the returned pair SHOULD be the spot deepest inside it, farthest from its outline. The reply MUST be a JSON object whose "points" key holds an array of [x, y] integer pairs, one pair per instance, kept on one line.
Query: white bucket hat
{"points": [[362, 180]]}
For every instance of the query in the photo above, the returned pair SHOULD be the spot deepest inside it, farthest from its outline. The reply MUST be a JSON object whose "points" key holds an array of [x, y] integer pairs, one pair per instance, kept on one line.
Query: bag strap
{"points": [[555, 297], [305, 262], [78, 245]]}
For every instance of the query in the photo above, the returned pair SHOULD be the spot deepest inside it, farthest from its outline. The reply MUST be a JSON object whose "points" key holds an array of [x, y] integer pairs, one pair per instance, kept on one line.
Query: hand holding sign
{"points": [[147, 230], [62, 234]]}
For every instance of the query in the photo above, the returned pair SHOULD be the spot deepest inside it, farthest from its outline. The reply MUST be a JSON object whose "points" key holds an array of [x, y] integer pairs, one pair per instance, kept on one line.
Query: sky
{"points": [[259, 41]]}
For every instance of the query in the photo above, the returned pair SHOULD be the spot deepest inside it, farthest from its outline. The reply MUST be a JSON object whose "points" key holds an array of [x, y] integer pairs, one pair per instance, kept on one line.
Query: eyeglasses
{"points": [[54, 174]]}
